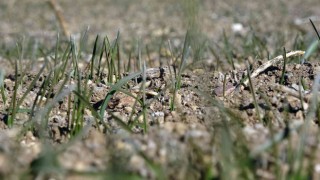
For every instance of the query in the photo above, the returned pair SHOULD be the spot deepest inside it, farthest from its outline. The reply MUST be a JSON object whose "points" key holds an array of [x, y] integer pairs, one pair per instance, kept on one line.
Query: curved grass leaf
{"points": [[114, 88]]}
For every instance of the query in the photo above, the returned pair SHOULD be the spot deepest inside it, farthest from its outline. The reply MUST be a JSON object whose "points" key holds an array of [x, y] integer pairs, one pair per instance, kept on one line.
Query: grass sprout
{"points": [[284, 66], [182, 66], [315, 29], [13, 107], [2, 90], [253, 92], [93, 57], [310, 50]]}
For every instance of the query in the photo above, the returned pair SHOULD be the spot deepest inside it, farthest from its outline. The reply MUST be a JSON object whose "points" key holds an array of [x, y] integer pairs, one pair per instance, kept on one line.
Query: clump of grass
{"points": [[78, 106], [181, 68], [66, 81], [112, 63], [16, 103]]}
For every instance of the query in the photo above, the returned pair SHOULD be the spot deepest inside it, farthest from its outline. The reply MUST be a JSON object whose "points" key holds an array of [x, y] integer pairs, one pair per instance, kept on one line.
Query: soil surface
{"points": [[183, 143]]}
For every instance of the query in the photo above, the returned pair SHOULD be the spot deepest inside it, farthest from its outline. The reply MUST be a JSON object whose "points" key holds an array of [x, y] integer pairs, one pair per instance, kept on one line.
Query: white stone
{"points": [[237, 27]]}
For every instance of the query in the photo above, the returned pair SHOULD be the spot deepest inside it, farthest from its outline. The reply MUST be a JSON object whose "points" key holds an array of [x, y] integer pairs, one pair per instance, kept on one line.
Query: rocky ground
{"points": [[222, 125]]}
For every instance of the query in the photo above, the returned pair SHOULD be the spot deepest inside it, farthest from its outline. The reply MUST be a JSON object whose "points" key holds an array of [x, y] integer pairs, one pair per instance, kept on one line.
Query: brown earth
{"points": [[182, 142]]}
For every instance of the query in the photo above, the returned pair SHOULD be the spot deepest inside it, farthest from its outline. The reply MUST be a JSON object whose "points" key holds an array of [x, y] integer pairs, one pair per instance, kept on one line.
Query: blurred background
{"points": [[144, 18], [278, 23]]}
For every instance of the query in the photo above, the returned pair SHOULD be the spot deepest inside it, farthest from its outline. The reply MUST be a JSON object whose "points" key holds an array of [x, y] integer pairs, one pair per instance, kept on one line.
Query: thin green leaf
{"points": [[115, 88]]}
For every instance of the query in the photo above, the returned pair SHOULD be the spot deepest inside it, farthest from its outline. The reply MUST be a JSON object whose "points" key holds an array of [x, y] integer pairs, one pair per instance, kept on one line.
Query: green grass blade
{"points": [[253, 92], [315, 29], [94, 52], [13, 106], [113, 90], [284, 66], [2, 90], [121, 123], [93, 111], [100, 58], [83, 41], [311, 49]]}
